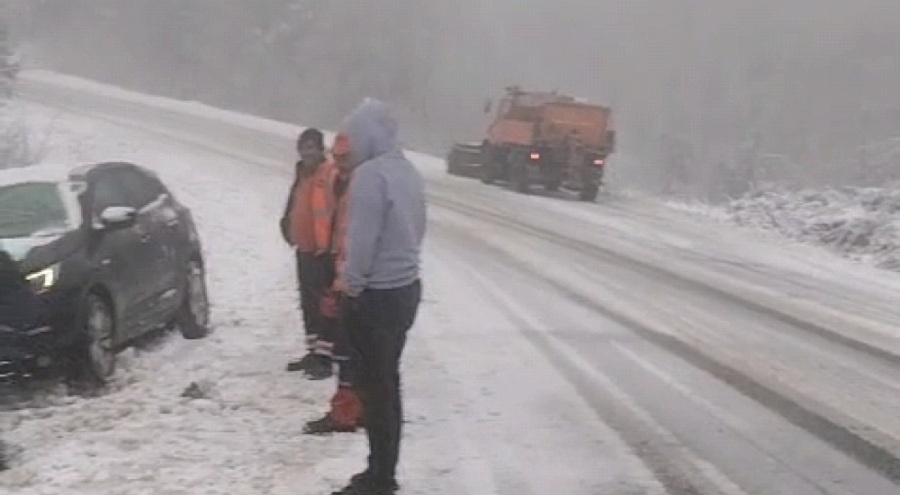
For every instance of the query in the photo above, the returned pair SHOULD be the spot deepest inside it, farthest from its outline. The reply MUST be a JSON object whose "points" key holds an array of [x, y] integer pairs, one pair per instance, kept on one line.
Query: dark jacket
{"points": [[20, 307]]}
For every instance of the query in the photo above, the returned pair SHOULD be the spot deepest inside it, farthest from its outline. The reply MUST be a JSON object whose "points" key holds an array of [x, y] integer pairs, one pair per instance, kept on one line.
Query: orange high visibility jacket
{"points": [[300, 230], [313, 210]]}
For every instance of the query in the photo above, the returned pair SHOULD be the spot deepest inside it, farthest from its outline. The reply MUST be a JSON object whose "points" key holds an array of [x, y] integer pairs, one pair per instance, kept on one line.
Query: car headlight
{"points": [[43, 280]]}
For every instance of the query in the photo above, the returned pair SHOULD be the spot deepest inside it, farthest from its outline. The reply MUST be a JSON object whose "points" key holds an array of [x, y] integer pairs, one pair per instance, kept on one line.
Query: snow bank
{"points": [[188, 107], [862, 224], [245, 437], [204, 114]]}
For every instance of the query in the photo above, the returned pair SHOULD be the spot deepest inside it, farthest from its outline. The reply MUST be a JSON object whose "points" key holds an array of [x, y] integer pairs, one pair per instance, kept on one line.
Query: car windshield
{"points": [[37, 208]]}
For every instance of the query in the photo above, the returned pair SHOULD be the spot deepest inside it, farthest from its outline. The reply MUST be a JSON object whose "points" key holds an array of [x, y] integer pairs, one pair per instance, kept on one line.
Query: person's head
{"points": [[340, 150], [311, 146], [372, 131]]}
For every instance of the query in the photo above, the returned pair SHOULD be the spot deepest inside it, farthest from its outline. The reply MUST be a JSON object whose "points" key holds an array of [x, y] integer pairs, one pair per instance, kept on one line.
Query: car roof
{"points": [[85, 170]]}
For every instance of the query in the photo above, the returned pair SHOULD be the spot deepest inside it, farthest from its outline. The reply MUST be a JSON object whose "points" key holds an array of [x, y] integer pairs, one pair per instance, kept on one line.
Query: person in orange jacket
{"points": [[345, 414], [306, 226]]}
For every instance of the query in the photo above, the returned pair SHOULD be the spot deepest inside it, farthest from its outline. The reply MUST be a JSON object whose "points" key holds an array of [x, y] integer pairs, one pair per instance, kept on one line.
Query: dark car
{"points": [[110, 252]]}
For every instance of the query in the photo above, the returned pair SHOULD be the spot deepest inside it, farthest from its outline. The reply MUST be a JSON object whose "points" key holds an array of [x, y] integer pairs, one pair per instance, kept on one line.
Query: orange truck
{"points": [[541, 139]]}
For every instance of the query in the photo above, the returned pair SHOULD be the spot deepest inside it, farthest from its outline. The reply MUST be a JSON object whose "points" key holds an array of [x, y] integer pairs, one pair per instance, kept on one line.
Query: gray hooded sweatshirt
{"points": [[387, 205]]}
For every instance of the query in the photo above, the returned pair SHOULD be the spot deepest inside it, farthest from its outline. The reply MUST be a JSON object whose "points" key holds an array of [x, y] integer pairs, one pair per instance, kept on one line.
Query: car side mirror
{"points": [[117, 217]]}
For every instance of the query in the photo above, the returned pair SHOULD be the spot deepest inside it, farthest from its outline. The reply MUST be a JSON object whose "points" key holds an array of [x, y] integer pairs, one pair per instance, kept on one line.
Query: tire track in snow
{"points": [[594, 250], [512, 400], [678, 470], [842, 437]]}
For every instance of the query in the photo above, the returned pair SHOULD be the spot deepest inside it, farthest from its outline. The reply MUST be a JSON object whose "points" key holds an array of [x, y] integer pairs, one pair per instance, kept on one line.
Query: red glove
{"points": [[328, 305]]}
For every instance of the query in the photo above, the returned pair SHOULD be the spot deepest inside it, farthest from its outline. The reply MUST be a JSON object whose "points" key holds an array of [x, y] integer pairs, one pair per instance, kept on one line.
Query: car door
{"points": [[118, 254], [156, 217]]}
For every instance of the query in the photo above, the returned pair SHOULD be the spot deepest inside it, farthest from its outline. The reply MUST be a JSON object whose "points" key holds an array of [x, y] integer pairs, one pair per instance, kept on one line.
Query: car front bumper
{"points": [[26, 354]]}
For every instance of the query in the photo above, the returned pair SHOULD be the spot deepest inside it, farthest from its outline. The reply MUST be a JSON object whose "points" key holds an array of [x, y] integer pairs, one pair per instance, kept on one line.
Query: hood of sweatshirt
{"points": [[372, 131]]}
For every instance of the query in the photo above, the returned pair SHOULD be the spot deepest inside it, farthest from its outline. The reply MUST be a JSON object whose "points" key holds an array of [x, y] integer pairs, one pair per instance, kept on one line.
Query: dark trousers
{"points": [[377, 324], [314, 274], [344, 354]]}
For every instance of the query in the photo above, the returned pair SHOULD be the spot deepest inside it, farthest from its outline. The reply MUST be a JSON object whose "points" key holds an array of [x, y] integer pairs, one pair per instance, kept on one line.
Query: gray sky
{"points": [[809, 79]]}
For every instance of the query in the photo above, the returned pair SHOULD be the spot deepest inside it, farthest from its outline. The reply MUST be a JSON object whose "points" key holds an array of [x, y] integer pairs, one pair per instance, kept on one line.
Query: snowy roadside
{"points": [[143, 437], [861, 224], [484, 407], [245, 437]]}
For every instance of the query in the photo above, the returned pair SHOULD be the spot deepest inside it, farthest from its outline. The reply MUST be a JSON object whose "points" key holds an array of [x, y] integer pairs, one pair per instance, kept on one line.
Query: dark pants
{"points": [[344, 354], [314, 274], [378, 321]]}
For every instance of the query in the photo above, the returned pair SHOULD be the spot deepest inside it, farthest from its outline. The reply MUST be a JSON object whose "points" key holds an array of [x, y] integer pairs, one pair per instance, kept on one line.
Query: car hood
{"points": [[38, 252]]}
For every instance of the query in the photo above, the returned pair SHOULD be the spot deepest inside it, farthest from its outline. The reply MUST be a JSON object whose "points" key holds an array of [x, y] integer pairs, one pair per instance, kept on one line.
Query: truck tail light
{"points": [[599, 162], [535, 156]]}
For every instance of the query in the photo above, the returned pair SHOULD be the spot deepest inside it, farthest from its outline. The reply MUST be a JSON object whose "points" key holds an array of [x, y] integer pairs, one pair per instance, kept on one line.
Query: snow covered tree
{"points": [[9, 64]]}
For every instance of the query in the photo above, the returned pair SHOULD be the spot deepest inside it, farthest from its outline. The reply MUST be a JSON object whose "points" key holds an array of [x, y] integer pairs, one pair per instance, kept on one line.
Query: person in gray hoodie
{"points": [[387, 224]]}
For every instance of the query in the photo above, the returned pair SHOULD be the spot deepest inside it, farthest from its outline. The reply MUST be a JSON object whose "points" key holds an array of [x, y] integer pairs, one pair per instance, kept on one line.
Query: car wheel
{"points": [[98, 363], [193, 317]]}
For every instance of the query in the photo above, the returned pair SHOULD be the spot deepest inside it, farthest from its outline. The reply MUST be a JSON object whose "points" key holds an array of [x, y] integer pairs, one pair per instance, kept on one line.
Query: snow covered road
{"points": [[562, 348]]}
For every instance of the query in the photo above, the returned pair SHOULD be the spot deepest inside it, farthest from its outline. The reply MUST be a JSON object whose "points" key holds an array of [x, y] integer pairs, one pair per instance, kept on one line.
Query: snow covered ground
{"points": [[617, 348], [143, 437]]}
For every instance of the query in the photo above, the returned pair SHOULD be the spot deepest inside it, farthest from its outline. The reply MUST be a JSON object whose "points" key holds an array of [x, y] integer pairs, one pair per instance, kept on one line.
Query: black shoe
{"points": [[367, 488], [365, 479], [360, 478], [320, 368], [301, 364], [326, 425]]}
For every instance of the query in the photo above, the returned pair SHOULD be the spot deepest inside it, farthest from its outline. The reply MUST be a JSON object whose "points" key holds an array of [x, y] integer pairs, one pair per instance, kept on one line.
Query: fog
{"points": [[812, 81]]}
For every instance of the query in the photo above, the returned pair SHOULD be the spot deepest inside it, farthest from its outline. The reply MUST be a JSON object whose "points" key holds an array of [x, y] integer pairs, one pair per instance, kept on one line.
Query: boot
{"points": [[327, 425], [346, 407], [363, 484], [301, 364], [320, 368]]}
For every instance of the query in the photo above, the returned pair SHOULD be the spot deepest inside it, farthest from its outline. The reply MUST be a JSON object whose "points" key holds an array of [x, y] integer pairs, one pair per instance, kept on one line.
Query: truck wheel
{"points": [[486, 171], [519, 177], [589, 193], [453, 162]]}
